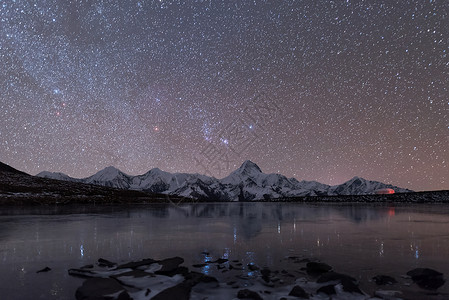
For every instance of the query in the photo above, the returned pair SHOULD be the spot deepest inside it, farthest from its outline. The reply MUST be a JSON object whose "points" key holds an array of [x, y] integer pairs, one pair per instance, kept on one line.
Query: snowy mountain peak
{"points": [[53, 175], [249, 168], [108, 173]]}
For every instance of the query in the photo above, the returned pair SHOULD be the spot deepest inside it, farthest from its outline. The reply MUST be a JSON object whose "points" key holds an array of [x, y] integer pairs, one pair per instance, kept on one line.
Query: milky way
{"points": [[316, 90]]}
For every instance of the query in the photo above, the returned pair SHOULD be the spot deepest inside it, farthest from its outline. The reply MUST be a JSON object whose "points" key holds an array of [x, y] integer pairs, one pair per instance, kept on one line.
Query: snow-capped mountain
{"points": [[57, 176], [244, 184], [360, 186]]}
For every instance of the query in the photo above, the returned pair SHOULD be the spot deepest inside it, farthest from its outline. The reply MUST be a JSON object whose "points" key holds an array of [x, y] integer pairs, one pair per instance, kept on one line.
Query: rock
{"points": [[199, 265], [90, 266], [46, 269], [82, 273], [348, 282], [388, 295], [170, 267], [317, 268], [427, 278], [350, 286], [133, 273], [136, 264], [327, 289], [177, 292], [106, 263], [248, 294], [231, 267], [100, 288], [218, 261], [384, 279], [266, 274], [299, 292], [194, 278], [334, 276], [252, 267], [203, 282], [172, 272]]}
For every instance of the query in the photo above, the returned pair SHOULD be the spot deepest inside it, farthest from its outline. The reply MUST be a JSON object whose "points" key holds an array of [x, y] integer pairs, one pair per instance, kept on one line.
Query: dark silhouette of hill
{"points": [[19, 188], [9, 169]]}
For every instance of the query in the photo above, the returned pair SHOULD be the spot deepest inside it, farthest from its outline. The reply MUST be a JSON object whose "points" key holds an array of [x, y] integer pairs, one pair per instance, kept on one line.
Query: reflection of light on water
{"points": [[416, 252], [279, 227], [235, 234], [226, 253], [318, 242], [82, 250], [206, 268], [55, 289], [381, 251]]}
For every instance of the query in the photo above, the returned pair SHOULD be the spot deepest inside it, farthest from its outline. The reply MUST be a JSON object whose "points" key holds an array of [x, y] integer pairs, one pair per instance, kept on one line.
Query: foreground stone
{"points": [[248, 294], [384, 280], [427, 278], [317, 268], [167, 279], [46, 269], [299, 292], [101, 288]]}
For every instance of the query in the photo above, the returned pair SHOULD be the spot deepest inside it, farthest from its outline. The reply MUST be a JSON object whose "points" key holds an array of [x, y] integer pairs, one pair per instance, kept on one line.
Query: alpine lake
{"points": [[360, 240]]}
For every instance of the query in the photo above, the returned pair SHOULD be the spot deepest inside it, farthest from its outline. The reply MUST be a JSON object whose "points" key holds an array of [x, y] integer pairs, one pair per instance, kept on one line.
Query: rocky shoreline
{"points": [[230, 279]]}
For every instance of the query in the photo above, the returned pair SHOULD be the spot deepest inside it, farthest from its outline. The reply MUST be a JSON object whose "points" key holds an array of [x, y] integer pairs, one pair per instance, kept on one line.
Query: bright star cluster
{"points": [[361, 87]]}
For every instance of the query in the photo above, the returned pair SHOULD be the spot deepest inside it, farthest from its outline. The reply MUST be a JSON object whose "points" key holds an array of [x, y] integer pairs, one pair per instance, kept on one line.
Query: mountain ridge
{"points": [[246, 183]]}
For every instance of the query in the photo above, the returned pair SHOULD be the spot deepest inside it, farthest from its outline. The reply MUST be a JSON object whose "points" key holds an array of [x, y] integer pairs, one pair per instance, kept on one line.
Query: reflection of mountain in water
{"points": [[361, 214], [248, 218]]}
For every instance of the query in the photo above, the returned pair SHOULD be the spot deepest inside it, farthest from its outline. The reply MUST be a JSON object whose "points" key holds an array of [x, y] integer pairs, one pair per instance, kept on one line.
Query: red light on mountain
{"points": [[385, 191]]}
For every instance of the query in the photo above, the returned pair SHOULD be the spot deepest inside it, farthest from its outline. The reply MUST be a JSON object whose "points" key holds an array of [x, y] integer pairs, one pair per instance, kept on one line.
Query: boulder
{"points": [[248, 294], [106, 263], [427, 278], [101, 288], [299, 292], [317, 268], [327, 289], [177, 292]]}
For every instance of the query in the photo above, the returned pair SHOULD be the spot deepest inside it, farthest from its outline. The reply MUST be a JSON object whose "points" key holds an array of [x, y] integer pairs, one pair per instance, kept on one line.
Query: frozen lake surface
{"points": [[361, 240]]}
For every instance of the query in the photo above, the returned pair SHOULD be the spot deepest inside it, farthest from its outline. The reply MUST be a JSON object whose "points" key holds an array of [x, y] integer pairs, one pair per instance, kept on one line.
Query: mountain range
{"points": [[19, 188], [247, 183]]}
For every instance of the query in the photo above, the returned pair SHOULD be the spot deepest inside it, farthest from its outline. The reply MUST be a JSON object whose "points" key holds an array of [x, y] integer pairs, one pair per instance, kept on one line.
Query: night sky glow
{"points": [[315, 89]]}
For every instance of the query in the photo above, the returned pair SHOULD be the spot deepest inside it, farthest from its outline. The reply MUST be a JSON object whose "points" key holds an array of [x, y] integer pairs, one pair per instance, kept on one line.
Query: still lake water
{"points": [[362, 240]]}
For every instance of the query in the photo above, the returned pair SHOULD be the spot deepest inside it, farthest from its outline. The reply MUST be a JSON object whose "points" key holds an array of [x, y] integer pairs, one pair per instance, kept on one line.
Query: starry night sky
{"points": [[313, 89]]}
